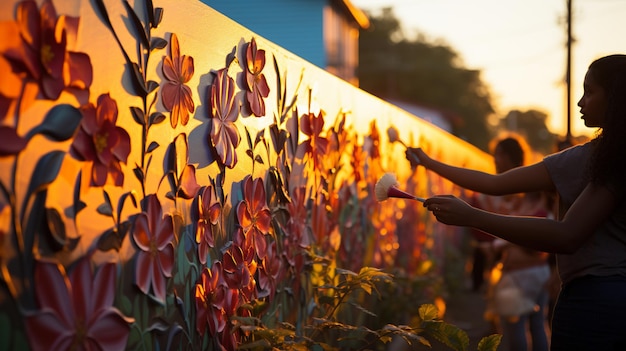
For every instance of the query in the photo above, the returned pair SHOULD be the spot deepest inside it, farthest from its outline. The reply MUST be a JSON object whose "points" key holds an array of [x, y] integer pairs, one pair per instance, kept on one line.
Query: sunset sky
{"points": [[520, 45]]}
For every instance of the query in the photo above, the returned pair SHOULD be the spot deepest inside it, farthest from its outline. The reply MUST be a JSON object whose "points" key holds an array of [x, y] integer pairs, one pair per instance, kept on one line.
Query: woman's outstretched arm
{"points": [[594, 205], [523, 179]]}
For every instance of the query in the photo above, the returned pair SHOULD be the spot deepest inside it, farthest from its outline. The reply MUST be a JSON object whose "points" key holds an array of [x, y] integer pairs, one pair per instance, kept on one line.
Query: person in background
{"points": [[521, 315], [589, 235]]}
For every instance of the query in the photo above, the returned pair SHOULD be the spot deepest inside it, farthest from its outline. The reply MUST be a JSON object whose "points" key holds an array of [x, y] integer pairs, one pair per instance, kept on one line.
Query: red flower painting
{"points": [[316, 145], [270, 272], [253, 214], [210, 300], [76, 312], [176, 96], [153, 233], [209, 211], [43, 53], [239, 269], [224, 113], [103, 143], [256, 84]]}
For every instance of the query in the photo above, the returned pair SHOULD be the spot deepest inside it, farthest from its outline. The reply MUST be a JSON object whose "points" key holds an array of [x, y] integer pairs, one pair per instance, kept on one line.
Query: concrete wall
{"points": [[129, 224]]}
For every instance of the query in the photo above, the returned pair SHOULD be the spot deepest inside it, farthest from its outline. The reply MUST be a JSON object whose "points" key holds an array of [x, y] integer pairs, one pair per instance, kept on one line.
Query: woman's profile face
{"points": [[593, 102]]}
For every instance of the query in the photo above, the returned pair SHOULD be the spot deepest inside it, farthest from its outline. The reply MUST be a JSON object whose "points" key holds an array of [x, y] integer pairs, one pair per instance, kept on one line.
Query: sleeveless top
{"points": [[604, 253]]}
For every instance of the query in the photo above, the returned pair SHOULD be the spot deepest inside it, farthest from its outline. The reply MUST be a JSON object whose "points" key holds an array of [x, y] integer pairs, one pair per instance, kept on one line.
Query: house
{"points": [[323, 32]]}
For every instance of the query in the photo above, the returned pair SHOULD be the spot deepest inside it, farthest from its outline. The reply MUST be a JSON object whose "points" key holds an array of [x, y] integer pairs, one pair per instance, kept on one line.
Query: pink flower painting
{"points": [[176, 96]]}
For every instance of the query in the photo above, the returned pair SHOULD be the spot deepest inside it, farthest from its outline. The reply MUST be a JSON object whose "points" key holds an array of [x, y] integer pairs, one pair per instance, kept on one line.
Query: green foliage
{"points": [[330, 333], [425, 73], [531, 125]]}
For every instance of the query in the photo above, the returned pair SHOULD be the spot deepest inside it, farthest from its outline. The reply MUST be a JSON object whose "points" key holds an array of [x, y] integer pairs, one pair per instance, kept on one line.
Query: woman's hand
{"points": [[449, 209], [416, 156]]}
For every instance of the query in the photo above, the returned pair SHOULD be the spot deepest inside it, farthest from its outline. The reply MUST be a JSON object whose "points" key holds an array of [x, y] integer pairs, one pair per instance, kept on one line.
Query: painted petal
{"points": [[262, 87], [82, 147], [104, 286], [260, 243], [81, 279], [53, 52], [52, 87], [81, 71], [169, 95], [12, 144], [201, 311], [99, 173], [174, 48], [89, 122], [256, 104], [106, 109], [5, 103], [305, 124], [169, 71], [110, 330], [154, 213], [116, 174], [48, 13], [250, 55], [243, 215], [259, 61], [143, 271], [166, 260], [70, 24], [188, 185], [203, 247], [258, 196], [164, 233], [104, 140], [263, 220], [141, 232], [186, 69], [159, 285], [28, 18], [54, 290], [121, 150], [47, 332]]}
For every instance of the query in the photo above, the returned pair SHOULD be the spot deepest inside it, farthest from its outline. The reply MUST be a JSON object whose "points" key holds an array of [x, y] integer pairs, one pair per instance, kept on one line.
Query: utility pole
{"points": [[568, 74]]}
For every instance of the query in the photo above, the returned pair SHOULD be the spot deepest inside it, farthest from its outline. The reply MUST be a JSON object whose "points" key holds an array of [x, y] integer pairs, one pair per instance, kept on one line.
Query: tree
{"points": [[532, 126], [392, 66]]}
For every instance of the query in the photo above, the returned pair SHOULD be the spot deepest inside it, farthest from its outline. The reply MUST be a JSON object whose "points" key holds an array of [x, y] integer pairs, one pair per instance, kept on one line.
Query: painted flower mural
{"points": [[153, 234], [316, 145], [210, 297], [103, 143], [253, 215], [239, 269], [176, 95], [76, 311], [44, 54], [230, 265], [270, 271], [209, 212], [256, 84], [224, 113]]}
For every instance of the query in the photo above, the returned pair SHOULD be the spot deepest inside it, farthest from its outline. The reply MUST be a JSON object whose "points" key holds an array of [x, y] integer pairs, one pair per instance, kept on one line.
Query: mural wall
{"points": [[170, 180]]}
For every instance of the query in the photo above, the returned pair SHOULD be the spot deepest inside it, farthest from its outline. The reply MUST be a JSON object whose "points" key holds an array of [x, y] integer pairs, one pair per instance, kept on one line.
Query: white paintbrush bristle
{"points": [[381, 189]]}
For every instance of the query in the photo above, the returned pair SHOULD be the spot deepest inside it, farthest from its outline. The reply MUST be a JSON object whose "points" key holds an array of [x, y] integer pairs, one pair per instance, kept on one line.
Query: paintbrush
{"points": [[387, 186]]}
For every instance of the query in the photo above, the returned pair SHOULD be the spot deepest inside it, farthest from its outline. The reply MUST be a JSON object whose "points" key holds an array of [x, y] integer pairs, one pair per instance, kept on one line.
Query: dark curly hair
{"points": [[608, 164]]}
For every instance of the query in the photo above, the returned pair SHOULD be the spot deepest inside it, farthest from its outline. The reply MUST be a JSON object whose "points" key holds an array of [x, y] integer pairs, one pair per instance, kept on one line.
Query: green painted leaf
{"points": [[138, 115], [56, 226], [157, 43], [60, 123], [490, 343], [428, 312], [137, 25], [46, 171]]}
